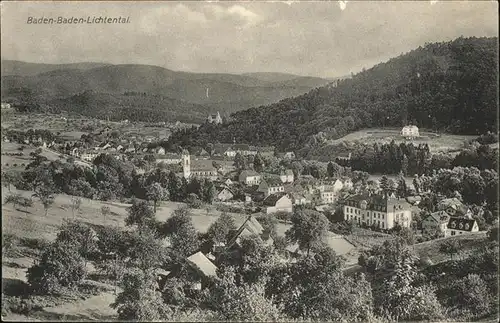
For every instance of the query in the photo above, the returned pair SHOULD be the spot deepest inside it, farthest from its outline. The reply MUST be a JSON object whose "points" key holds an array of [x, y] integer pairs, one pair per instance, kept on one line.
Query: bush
{"points": [[471, 293], [18, 305]]}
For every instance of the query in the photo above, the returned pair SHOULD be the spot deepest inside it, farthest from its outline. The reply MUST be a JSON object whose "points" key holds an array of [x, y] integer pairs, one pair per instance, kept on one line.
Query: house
{"points": [[74, 152], [410, 132], [249, 177], [343, 157], [347, 183], [197, 168], [414, 200], [270, 186], [287, 176], [300, 198], [204, 269], [225, 194], [375, 210], [214, 118], [170, 159], [6, 106], [89, 155], [458, 226], [435, 222], [278, 202], [250, 226], [327, 195], [228, 182], [267, 151], [454, 207], [160, 151]]}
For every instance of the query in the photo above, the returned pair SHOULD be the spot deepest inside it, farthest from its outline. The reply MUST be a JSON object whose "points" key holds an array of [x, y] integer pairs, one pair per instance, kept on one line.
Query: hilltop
{"points": [[45, 85], [444, 87]]}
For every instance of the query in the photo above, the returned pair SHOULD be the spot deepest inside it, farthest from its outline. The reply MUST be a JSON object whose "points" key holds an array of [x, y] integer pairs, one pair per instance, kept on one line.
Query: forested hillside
{"points": [[58, 86], [447, 87]]}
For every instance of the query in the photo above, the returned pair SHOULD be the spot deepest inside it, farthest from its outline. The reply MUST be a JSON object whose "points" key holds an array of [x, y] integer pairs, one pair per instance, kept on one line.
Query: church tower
{"points": [[186, 164]]}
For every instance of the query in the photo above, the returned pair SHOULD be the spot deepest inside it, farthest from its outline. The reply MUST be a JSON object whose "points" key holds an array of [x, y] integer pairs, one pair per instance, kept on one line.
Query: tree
{"points": [[79, 235], [208, 191], [269, 223], [258, 163], [193, 201], [139, 300], [105, 211], [46, 196], [173, 187], [183, 236], [416, 184], [402, 188], [14, 199], [145, 250], [241, 302], [308, 229], [240, 161], [156, 192], [76, 202], [472, 293], [60, 266], [220, 229], [450, 247], [140, 214]]}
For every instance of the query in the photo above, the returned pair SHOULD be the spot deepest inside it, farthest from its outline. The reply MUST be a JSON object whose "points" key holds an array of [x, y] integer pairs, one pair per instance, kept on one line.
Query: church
{"points": [[197, 168]]}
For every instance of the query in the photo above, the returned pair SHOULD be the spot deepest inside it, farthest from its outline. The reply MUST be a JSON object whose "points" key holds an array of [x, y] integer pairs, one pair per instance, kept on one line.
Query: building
{"points": [[170, 159], [436, 222], [410, 132], [300, 198], [214, 118], [458, 226], [225, 195], [454, 207], [204, 269], [6, 106], [287, 176], [327, 195], [378, 211], [278, 202], [343, 157], [89, 155], [197, 168], [250, 177], [270, 186]]}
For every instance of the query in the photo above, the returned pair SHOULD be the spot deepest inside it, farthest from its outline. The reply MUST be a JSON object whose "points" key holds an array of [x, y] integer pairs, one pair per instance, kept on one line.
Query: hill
{"points": [[226, 93], [444, 87], [19, 68]]}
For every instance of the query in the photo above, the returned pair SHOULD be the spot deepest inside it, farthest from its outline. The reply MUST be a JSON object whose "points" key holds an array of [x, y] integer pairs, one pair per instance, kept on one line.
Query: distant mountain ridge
{"points": [[447, 86], [44, 84]]}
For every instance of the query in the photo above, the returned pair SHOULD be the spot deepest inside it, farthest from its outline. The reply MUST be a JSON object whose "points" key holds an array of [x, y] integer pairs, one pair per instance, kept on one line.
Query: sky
{"points": [[324, 38]]}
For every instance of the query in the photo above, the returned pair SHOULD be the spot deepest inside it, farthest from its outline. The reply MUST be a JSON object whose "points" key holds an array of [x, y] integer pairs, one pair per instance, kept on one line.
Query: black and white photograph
{"points": [[250, 161]]}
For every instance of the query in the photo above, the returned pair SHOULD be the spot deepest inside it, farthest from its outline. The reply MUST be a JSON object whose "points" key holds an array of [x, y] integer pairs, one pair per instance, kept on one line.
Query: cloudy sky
{"points": [[328, 38]]}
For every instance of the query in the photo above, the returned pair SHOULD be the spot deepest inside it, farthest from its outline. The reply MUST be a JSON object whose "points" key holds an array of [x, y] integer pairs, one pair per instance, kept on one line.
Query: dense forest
{"points": [[447, 87]]}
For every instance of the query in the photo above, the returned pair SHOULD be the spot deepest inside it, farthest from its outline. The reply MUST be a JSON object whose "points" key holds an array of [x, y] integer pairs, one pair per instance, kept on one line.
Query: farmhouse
{"points": [[435, 222], [225, 194], [382, 212], [278, 202], [457, 226], [270, 186], [249, 177], [410, 132], [454, 207]]}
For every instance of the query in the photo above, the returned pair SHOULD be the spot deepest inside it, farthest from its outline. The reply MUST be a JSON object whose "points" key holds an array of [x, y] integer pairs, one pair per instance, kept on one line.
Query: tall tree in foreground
{"points": [[139, 300], [308, 229], [60, 266], [219, 230], [140, 214]]}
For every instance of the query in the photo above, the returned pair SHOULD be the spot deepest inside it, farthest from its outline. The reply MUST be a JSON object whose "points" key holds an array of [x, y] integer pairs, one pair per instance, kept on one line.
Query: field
{"points": [[437, 142]]}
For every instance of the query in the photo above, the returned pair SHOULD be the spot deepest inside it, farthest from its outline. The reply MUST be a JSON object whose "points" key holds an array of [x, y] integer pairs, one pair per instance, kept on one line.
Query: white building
{"points": [[410, 132], [270, 186], [287, 176], [458, 226], [279, 202], [249, 177], [214, 118], [378, 211]]}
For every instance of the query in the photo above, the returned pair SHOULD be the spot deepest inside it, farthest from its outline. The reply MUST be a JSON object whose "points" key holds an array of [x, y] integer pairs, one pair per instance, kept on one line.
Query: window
{"points": [[382, 216], [452, 233]]}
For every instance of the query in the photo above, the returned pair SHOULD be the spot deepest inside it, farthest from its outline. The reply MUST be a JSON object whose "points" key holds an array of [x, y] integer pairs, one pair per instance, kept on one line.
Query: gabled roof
{"points": [[248, 172], [462, 224], [272, 181], [273, 198], [439, 217], [202, 264], [249, 227]]}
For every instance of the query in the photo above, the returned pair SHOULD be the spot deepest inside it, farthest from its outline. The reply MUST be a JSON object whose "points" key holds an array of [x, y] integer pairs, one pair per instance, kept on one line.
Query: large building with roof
{"points": [[410, 132], [198, 168], [458, 226], [378, 211], [214, 118]]}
